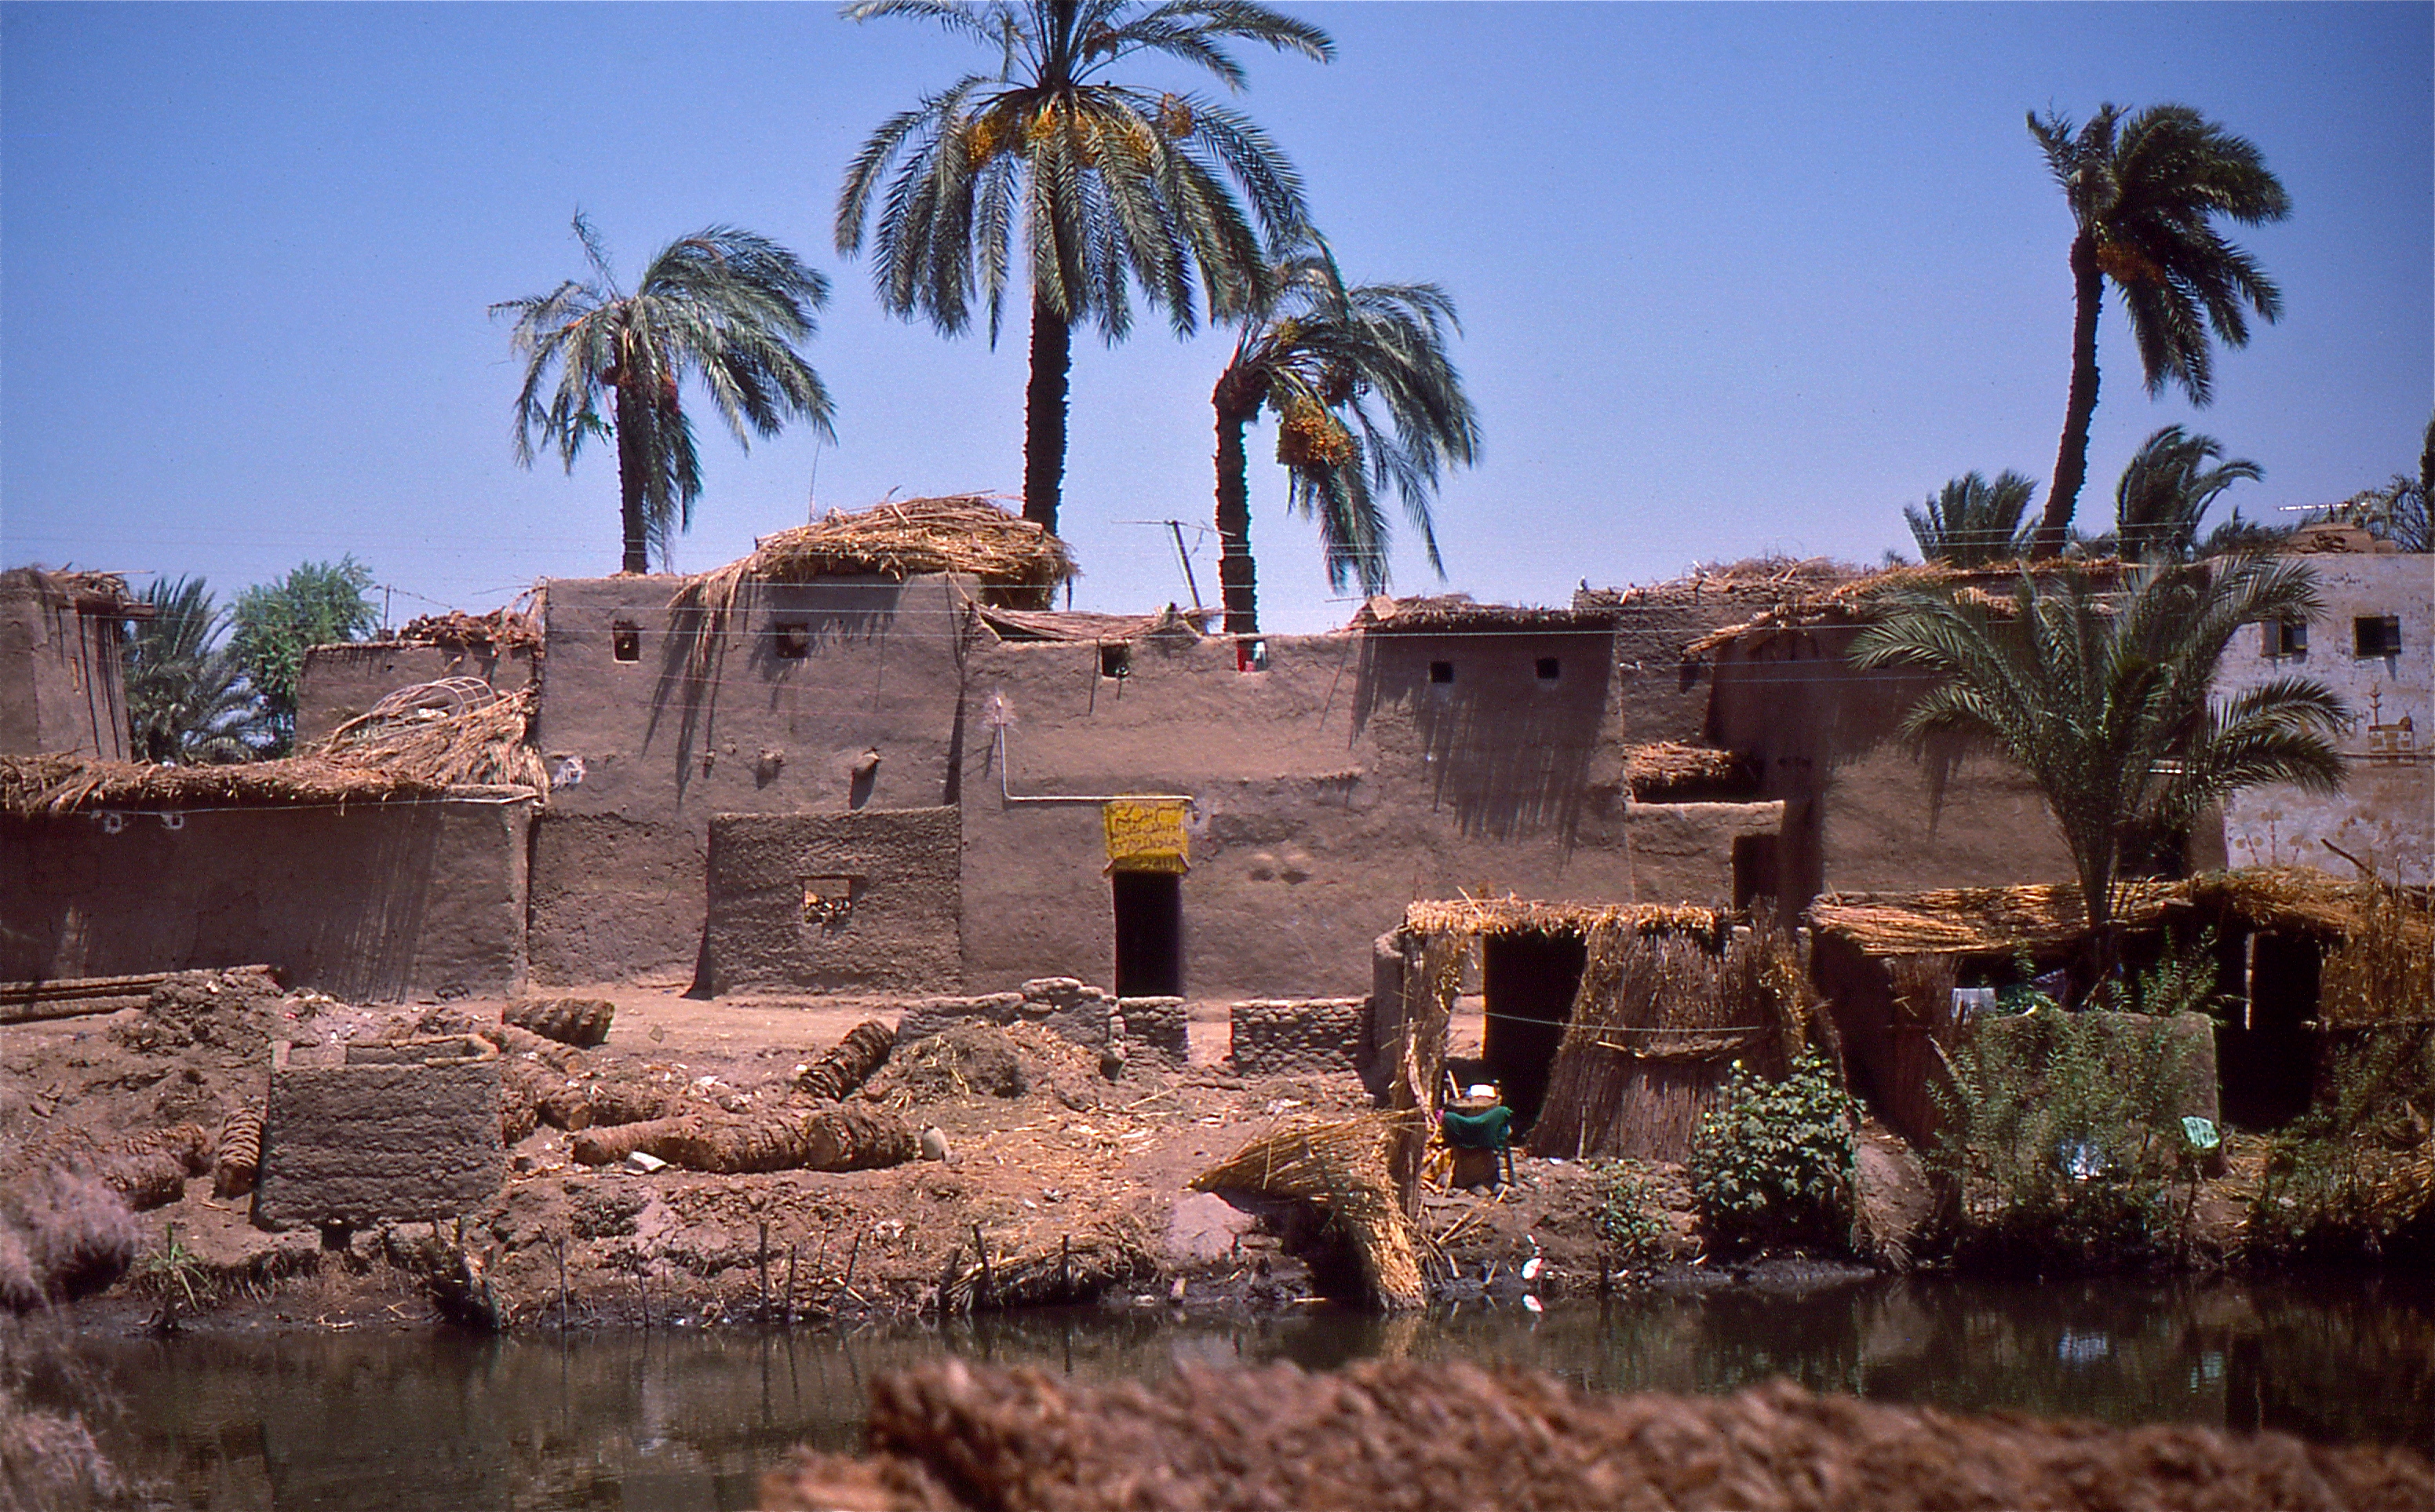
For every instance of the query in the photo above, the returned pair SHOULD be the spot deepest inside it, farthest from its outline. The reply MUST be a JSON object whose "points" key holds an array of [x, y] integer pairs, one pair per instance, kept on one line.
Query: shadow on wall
{"points": [[778, 638], [1506, 736]]}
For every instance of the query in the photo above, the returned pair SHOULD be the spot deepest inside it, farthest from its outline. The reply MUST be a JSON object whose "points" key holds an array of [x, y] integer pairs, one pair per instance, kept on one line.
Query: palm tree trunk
{"points": [[1236, 573], [2071, 458], [1043, 415], [629, 490]]}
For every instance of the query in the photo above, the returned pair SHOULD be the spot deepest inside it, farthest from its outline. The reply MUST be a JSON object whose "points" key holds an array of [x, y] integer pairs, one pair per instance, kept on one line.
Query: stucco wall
{"points": [[369, 902], [893, 871], [2385, 814], [1864, 811], [342, 681], [644, 752], [62, 690]]}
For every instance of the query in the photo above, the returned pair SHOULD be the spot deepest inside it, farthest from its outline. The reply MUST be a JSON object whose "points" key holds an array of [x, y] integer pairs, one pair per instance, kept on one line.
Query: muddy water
{"points": [[683, 1422]]}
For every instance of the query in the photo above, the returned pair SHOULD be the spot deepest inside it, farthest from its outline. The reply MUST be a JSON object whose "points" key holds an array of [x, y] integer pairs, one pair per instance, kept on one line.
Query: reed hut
{"points": [[1611, 1028]]}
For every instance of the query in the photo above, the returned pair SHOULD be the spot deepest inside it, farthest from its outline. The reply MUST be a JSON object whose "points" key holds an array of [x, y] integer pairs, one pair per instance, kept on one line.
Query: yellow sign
{"points": [[1147, 834]]}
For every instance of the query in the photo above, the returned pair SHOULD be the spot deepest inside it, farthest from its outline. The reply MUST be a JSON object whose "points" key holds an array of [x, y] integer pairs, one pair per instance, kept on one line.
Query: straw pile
{"points": [[1974, 920], [32, 785], [1341, 1169], [1521, 916], [503, 629], [2383, 974], [1076, 1268], [457, 731], [1801, 599], [1668, 769], [1406, 1436], [1659, 1018], [1457, 612]]}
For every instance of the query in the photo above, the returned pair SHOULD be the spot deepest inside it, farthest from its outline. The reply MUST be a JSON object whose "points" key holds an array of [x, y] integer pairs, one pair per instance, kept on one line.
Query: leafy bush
{"points": [[1627, 1216], [1773, 1163], [2064, 1137], [2355, 1175]]}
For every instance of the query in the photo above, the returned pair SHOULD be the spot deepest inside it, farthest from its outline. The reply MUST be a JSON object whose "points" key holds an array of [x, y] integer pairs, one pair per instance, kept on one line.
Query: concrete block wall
{"points": [[1298, 1036], [406, 1131]]}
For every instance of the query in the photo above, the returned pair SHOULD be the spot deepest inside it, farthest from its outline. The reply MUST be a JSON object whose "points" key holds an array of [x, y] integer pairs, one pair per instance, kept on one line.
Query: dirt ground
{"points": [[1078, 1175]]}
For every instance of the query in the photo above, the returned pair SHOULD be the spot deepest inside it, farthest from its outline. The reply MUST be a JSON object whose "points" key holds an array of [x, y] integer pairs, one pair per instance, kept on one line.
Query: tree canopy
{"points": [[188, 702], [1972, 522], [318, 603]]}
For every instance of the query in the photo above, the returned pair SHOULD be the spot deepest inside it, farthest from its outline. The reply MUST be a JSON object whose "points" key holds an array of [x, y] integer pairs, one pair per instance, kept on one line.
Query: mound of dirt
{"points": [[232, 1010], [971, 1057], [1410, 1436]]}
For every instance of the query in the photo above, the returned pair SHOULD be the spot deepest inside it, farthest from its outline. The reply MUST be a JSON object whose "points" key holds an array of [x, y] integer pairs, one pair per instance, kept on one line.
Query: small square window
{"points": [[2377, 635], [2287, 638], [1550, 669], [794, 639], [1116, 660], [1251, 654], [1441, 672], [625, 641]]}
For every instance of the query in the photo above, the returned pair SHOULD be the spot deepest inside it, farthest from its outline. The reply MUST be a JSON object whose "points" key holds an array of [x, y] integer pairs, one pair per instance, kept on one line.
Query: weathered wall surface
{"points": [[643, 751], [61, 688], [1313, 1037], [886, 909], [342, 682], [406, 1131], [2385, 815], [1328, 791], [369, 902], [1862, 811]]}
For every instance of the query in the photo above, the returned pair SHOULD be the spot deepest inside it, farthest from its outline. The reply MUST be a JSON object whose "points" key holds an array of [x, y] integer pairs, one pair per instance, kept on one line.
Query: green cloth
{"points": [[1488, 1130]]}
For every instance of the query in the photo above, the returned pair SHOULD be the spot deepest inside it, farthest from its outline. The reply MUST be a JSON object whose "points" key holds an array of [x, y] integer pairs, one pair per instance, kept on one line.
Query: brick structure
{"points": [[1298, 1036], [406, 1130]]}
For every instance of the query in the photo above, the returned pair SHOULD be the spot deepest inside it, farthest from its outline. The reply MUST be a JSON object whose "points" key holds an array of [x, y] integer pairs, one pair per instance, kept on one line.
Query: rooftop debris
{"points": [[1798, 600], [1661, 771], [505, 628], [1457, 612], [1523, 915], [455, 731], [1070, 625]]}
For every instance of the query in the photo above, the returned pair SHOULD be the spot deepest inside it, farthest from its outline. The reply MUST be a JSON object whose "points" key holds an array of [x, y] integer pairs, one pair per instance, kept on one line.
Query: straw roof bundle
{"points": [[1669, 767], [32, 785], [457, 731], [1341, 1169], [1522, 915], [1974, 920], [1805, 600]]}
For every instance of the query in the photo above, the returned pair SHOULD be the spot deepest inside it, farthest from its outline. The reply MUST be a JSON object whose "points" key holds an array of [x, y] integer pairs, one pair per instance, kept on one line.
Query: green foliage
{"points": [[319, 603], [1366, 398], [1046, 171], [1973, 522], [724, 306], [172, 1273], [2063, 1133], [2165, 490], [1629, 1215], [2184, 980], [2105, 697], [187, 701], [1773, 1163]]}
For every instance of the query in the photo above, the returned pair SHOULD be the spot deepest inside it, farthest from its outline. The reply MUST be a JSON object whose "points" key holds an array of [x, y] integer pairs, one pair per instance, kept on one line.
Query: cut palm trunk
{"points": [[849, 1063], [831, 1139]]}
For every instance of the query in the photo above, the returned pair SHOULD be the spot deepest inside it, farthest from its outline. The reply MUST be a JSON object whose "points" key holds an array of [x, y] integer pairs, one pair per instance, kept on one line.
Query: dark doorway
{"points": [[1528, 981], [2265, 1058], [1753, 868], [1149, 934]]}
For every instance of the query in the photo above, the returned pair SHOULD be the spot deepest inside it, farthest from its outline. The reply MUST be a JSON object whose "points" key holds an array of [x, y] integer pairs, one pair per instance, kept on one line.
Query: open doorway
{"points": [[1149, 934], [1528, 982], [2266, 1060]]}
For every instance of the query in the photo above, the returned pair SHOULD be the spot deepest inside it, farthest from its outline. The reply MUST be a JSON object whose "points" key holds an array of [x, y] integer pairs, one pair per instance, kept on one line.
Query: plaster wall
{"points": [[2385, 815], [370, 903], [1863, 809], [342, 682], [888, 917], [643, 751], [63, 683], [1327, 792]]}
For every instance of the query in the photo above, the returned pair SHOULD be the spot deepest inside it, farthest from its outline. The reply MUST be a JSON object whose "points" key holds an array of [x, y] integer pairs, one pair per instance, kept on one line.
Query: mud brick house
{"points": [[62, 685]]}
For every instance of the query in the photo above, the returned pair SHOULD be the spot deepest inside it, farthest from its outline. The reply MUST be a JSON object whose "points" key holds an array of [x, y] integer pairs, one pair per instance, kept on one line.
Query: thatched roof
{"points": [[1992, 920], [455, 732], [91, 593], [1455, 613], [965, 533], [1670, 770], [1069, 625], [1521, 916], [1798, 600], [505, 629]]}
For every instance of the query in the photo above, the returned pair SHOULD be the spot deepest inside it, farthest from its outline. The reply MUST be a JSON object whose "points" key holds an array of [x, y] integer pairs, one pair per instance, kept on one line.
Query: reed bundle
{"points": [[1468, 916], [33, 786], [1076, 1268], [239, 1153], [1342, 1169], [2384, 970], [457, 731]]}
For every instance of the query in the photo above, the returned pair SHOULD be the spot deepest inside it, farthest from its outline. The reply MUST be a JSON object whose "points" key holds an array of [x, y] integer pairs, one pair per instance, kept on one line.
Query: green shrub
{"points": [[1629, 1215], [2351, 1176], [1772, 1164]]}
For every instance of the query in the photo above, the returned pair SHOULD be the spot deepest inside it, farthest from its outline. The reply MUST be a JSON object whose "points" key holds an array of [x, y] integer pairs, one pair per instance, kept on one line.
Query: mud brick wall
{"points": [[1274, 1038], [408, 1130], [887, 919], [1154, 1027], [1086, 1015]]}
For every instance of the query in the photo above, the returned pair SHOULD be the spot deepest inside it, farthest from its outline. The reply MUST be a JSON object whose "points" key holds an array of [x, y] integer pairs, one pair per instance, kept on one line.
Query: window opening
{"points": [[794, 639], [1251, 654], [1550, 669], [625, 641], [1441, 672], [2377, 634], [2287, 638], [1116, 660]]}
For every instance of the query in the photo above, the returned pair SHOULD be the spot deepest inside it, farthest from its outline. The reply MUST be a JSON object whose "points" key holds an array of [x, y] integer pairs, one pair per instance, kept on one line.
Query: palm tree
{"points": [[188, 702], [725, 305], [1973, 522], [1316, 352], [2103, 700], [2144, 194], [1107, 185], [2165, 490]]}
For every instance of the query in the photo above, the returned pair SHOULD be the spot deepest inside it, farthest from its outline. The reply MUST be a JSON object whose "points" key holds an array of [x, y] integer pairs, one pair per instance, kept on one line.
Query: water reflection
{"points": [[685, 1422]]}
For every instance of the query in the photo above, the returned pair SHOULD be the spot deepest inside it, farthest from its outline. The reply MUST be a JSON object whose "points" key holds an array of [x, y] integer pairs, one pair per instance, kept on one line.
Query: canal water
{"points": [[678, 1422]]}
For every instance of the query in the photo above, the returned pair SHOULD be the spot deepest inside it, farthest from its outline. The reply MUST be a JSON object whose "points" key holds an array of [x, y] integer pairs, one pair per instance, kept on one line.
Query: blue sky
{"points": [[1734, 278]]}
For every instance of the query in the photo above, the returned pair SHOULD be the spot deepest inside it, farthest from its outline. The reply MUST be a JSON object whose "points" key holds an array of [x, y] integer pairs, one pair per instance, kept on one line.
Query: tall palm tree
{"points": [[1318, 354], [2103, 700], [1107, 186], [724, 305], [1972, 522], [2165, 490], [187, 701], [2145, 191]]}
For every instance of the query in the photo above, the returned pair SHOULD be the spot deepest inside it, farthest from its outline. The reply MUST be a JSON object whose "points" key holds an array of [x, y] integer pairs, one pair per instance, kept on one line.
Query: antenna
{"points": [[1183, 558]]}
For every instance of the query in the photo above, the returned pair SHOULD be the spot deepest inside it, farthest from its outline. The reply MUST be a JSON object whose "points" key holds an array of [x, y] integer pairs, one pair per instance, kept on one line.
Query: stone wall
{"points": [[1086, 1015], [406, 1131], [1299, 1036], [1155, 1028]]}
